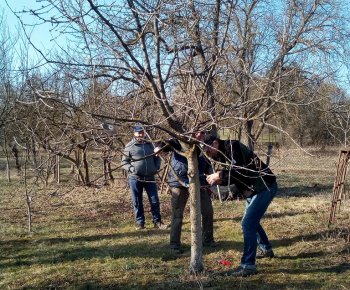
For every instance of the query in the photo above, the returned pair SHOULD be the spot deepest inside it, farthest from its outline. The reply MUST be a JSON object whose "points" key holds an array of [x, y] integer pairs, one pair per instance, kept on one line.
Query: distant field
{"points": [[84, 238]]}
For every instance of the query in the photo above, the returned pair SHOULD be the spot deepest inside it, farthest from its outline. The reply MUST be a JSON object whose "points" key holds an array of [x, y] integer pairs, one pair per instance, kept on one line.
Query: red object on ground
{"points": [[224, 262]]}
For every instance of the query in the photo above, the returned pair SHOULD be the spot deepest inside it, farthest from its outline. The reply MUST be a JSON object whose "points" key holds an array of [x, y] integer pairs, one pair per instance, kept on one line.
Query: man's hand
{"points": [[214, 178]]}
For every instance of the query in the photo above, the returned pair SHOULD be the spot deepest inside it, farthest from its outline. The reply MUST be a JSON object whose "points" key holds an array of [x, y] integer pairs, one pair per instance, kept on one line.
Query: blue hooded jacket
{"points": [[179, 166]]}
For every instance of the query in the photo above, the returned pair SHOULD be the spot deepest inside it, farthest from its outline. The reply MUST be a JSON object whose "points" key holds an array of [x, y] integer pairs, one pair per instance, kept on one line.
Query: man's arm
{"points": [[126, 161], [167, 146]]}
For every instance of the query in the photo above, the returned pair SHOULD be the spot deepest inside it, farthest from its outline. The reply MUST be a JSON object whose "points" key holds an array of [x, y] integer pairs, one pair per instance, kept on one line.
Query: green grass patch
{"points": [[85, 238]]}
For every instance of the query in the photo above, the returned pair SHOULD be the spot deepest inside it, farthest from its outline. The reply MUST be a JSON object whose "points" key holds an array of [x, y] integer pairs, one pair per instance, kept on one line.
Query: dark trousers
{"points": [[137, 186], [179, 197]]}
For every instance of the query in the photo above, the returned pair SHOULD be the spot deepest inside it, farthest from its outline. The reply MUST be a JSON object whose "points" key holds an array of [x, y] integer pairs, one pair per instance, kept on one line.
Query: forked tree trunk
{"points": [[196, 264]]}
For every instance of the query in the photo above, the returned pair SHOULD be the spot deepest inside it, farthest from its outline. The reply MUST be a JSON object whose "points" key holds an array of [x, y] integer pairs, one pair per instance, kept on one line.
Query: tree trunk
{"points": [[15, 153], [36, 166], [250, 136], [109, 170], [57, 170], [105, 170], [8, 172], [269, 153], [27, 194], [196, 264], [86, 167]]}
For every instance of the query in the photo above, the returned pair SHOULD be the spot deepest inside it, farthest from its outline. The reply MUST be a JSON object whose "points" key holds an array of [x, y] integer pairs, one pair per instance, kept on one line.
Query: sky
{"points": [[39, 35]]}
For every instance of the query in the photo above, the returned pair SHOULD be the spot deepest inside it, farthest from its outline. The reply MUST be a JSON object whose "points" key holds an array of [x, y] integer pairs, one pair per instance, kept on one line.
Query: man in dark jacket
{"points": [[257, 183], [141, 165], [179, 186]]}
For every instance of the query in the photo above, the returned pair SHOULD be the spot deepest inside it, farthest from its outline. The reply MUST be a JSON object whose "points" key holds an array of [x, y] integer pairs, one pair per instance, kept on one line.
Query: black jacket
{"points": [[244, 168]]}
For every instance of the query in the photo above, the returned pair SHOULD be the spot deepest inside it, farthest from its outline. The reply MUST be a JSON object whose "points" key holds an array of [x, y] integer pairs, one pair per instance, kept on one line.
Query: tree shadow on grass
{"points": [[268, 215], [79, 252], [63, 249], [310, 255], [186, 282], [221, 246], [301, 191], [321, 235], [204, 283], [55, 240], [306, 255], [285, 242], [336, 269], [66, 250]]}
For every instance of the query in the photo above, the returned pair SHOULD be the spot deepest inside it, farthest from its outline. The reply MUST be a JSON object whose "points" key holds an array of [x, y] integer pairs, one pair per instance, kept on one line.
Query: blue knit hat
{"points": [[138, 128]]}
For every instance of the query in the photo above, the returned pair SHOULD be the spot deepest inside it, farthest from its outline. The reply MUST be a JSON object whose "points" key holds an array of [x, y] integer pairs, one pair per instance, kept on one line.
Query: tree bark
{"points": [[15, 153], [8, 170], [27, 194], [196, 263]]}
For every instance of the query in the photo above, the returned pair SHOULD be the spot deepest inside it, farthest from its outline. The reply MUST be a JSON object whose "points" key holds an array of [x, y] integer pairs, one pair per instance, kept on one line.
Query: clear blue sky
{"points": [[39, 35]]}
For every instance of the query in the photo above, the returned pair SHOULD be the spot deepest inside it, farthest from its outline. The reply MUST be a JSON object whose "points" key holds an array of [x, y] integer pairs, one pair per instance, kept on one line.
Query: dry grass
{"points": [[85, 238]]}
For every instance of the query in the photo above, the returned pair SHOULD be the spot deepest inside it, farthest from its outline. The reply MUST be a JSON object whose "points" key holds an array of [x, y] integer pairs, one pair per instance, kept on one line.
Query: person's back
{"points": [[246, 169]]}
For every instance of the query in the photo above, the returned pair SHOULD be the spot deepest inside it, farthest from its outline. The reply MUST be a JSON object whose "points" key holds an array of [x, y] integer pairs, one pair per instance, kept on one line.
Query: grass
{"points": [[84, 238]]}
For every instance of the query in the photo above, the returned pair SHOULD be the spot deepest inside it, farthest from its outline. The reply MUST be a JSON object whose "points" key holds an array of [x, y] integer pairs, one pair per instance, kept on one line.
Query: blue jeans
{"points": [[137, 185], [253, 233]]}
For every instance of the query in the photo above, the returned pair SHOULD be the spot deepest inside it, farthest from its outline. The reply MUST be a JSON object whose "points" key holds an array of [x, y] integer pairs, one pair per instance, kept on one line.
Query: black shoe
{"points": [[211, 244], [161, 226], [241, 272], [260, 253], [176, 251], [140, 227]]}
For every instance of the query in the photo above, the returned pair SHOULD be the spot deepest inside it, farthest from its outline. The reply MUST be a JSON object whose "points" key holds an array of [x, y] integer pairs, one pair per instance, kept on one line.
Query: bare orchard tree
{"points": [[338, 121], [272, 43], [148, 49], [53, 127], [192, 64], [8, 92], [6, 61]]}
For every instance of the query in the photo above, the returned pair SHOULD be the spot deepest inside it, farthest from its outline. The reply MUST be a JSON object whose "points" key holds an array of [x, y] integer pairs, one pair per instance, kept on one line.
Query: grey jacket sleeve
{"points": [[126, 160]]}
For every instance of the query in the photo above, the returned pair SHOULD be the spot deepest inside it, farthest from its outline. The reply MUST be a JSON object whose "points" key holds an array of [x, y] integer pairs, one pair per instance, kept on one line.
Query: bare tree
{"points": [[181, 66], [338, 121], [8, 93], [267, 40]]}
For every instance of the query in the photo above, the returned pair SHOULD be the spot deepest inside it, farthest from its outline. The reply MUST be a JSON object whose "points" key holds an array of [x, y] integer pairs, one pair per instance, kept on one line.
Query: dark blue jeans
{"points": [[253, 233], [137, 186]]}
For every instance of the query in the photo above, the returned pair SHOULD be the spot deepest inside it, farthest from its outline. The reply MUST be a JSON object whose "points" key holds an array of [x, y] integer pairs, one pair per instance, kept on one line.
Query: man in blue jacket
{"points": [[179, 187], [141, 165]]}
